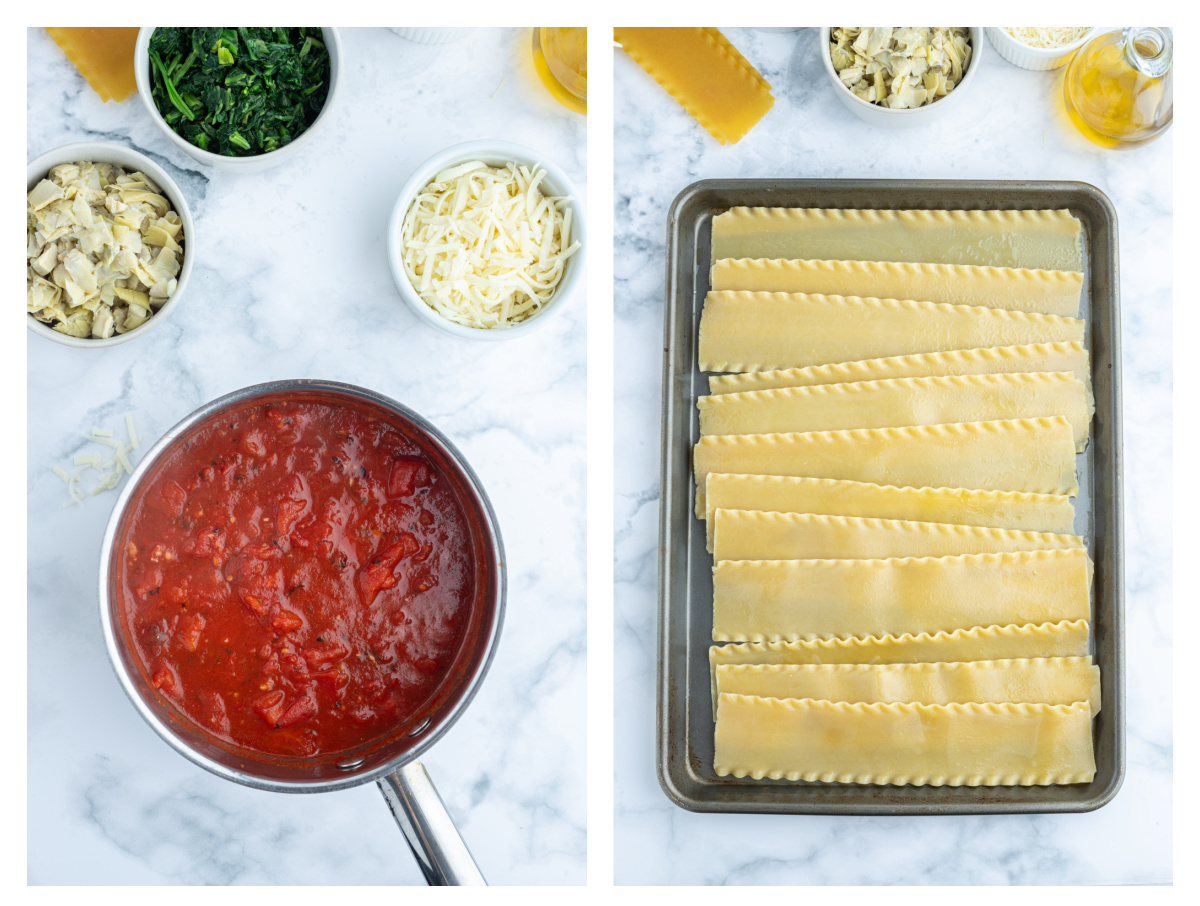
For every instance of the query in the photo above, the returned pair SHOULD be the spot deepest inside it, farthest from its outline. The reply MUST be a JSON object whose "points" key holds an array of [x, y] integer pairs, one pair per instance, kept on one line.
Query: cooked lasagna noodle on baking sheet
{"points": [[788, 600], [833, 497], [1051, 681], [1030, 455], [756, 535], [988, 744], [1042, 240], [1064, 638], [1070, 357], [1014, 289], [899, 402], [748, 331]]}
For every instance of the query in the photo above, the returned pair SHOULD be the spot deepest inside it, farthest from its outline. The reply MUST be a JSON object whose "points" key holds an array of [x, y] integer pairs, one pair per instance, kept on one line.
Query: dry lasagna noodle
{"points": [[831, 497], [1015, 289], [1005, 744], [745, 331], [788, 600], [899, 402], [1038, 240], [706, 74], [103, 56], [1070, 357], [1032, 455], [1049, 681], [753, 535]]}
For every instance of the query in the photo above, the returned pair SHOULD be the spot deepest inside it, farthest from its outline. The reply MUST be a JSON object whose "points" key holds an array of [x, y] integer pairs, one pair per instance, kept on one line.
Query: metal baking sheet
{"points": [[684, 706]]}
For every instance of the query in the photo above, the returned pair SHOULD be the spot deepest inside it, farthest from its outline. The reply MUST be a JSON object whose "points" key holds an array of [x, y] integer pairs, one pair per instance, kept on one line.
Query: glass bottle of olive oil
{"points": [[1118, 86], [560, 57]]}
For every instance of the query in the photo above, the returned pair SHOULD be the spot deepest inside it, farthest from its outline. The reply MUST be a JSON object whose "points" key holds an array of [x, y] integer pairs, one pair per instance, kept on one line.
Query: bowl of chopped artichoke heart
{"points": [[486, 240], [240, 99], [901, 75], [110, 240]]}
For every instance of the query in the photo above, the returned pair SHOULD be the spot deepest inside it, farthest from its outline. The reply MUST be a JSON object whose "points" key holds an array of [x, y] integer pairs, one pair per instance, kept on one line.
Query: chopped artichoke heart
{"points": [[483, 246], [44, 193], [89, 227], [900, 67]]}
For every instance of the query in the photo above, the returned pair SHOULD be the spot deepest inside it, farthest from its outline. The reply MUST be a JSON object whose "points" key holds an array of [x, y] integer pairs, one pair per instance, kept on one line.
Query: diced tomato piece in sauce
{"points": [[171, 499], [286, 621], [378, 573], [324, 655], [298, 712], [190, 628], [270, 706], [404, 476]]}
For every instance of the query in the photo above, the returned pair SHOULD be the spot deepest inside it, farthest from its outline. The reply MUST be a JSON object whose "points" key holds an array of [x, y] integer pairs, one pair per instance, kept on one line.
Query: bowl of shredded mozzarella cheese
{"points": [[486, 240], [1038, 48]]}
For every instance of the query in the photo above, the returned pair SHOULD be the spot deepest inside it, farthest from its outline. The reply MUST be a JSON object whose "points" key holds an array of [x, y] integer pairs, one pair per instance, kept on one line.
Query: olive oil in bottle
{"points": [[560, 57], [1118, 86]]}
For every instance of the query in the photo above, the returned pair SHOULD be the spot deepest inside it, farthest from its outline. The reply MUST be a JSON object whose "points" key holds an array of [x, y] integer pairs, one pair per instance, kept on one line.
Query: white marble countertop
{"points": [[291, 280], [1017, 131]]}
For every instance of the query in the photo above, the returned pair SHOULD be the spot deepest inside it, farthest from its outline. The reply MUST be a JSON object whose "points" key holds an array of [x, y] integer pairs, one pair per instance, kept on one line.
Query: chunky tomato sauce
{"points": [[297, 578]]}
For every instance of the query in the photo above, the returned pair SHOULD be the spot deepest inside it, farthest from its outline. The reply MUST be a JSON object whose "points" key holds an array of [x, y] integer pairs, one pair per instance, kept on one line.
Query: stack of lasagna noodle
{"points": [[885, 466]]}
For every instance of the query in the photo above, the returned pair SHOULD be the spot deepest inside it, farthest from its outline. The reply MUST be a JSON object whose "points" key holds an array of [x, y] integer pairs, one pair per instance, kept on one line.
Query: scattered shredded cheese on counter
{"points": [[110, 470], [1047, 38], [484, 247]]}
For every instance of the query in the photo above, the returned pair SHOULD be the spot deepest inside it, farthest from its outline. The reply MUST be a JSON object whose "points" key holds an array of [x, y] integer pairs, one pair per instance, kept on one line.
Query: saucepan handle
{"points": [[428, 828]]}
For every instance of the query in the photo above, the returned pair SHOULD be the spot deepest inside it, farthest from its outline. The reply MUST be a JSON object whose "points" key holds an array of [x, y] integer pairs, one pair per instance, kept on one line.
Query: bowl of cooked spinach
{"points": [[238, 98]]}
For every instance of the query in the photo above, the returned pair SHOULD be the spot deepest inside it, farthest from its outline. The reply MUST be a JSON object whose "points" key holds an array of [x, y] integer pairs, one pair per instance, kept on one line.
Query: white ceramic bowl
{"points": [[112, 153], [258, 162], [1035, 58], [495, 154], [918, 116], [432, 35]]}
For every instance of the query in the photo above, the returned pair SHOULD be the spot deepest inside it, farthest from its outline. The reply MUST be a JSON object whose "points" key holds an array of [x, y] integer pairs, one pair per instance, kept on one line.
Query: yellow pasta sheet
{"points": [[1014, 289], [1041, 240], [1048, 681], [1066, 638], [937, 745], [756, 535], [746, 331], [1029, 455], [706, 74], [958, 506], [898, 403], [788, 600], [1070, 357]]}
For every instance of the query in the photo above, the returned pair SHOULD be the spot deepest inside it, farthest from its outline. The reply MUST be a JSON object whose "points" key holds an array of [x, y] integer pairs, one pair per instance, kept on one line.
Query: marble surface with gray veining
{"points": [[1014, 129], [291, 280]]}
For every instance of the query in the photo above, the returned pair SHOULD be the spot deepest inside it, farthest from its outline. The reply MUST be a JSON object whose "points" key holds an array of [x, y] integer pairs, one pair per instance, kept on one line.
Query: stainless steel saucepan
{"points": [[392, 762]]}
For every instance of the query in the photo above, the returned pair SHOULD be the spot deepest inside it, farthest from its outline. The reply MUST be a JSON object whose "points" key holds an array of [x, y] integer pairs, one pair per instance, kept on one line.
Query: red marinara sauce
{"points": [[297, 577]]}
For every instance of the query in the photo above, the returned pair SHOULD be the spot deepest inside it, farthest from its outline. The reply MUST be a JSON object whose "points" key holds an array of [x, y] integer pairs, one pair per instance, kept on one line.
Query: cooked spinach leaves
{"points": [[239, 91]]}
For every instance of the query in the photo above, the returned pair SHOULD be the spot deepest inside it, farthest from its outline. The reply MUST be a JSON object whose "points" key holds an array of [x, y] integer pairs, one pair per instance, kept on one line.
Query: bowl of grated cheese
{"points": [[486, 240], [1038, 48]]}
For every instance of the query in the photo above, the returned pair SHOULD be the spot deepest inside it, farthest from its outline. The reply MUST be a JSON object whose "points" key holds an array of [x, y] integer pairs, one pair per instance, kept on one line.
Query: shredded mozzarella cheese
{"points": [[111, 471], [1047, 38], [484, 247]]}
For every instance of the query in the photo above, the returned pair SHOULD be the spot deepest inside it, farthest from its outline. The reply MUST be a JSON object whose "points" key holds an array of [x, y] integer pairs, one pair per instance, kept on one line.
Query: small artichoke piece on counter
{"points": [[104, 250], [900, 67]]}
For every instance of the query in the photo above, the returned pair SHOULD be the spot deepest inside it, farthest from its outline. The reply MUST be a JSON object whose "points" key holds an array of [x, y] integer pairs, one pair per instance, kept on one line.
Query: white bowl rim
{"points": [[45, 161], [496, 150], [1042, 53], [977, 49], [140, 55]]}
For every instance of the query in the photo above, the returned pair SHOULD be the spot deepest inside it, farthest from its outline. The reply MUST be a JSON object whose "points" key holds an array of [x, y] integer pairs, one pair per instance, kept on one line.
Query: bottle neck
{"points": [[1148, 50]]}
